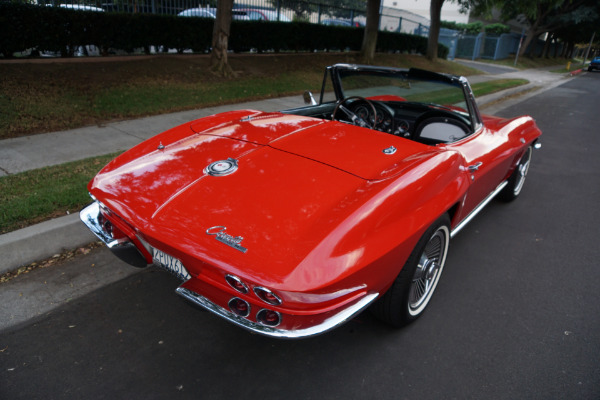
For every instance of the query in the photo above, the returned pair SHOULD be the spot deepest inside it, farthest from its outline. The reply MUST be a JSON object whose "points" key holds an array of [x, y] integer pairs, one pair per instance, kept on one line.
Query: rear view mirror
{"points": [[309, 98]]}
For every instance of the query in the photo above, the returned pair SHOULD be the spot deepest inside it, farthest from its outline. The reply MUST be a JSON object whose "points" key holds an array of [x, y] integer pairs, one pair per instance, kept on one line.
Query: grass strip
{"points": [[41, 194], [454, 96], [483, 88]]}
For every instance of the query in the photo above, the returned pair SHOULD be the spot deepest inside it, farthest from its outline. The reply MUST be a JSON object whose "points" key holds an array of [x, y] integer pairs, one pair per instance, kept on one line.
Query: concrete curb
{"points": [[41, 241], [493, 97], [576, 72]]}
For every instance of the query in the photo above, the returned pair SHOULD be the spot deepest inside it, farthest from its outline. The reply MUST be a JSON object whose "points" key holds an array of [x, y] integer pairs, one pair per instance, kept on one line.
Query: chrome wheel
{"points": [[522, 169], [428, 271], [411, 291]]}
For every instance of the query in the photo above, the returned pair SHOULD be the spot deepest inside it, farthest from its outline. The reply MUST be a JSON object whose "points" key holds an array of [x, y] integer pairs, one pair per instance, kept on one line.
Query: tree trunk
{"points": [[547, 45], [570, 50], [532, 34], [369, 44], [220, 39], [435, 12]]}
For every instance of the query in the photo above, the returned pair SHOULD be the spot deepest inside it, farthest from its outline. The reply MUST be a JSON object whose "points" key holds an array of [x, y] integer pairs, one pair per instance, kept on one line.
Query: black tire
{"points": [[409, 295], [516, 181]]}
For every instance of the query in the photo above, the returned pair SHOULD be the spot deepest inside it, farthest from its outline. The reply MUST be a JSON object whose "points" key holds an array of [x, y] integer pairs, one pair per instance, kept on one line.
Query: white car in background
{"points": [[211, 13], [81, 7], [198, 12], [255, 14]]}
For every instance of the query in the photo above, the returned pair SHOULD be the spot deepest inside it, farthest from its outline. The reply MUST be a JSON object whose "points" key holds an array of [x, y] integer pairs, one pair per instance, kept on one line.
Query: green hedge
{"points": [[57, 29], [470, 29], [496, 29]]}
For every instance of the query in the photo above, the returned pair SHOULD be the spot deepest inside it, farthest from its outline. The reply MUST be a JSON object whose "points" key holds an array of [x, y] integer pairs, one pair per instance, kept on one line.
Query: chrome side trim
{"points": [[477, 209], [326, 325]]}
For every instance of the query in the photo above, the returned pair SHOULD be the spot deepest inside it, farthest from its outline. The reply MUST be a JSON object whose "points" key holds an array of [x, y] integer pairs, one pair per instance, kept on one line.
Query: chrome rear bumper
{"points": [[123, 248], [326, 325]]}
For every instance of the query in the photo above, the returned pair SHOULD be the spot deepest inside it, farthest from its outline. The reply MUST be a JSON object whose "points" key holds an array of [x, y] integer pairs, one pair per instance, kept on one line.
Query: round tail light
{"points": [[239, 307], [268, 317], [267, 296], [236, 283]]}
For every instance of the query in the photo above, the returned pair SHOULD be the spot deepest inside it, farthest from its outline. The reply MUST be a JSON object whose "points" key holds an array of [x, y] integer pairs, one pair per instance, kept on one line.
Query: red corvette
{"points": [[290, 223]]}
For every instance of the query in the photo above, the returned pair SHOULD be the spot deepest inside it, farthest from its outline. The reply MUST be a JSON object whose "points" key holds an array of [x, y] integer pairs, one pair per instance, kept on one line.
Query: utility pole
{"points": [[519, 48], [587, 53]]}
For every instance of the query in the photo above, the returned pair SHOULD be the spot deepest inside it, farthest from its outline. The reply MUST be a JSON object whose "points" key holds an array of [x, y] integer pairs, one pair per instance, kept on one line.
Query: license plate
{"points": [[171, 264]]}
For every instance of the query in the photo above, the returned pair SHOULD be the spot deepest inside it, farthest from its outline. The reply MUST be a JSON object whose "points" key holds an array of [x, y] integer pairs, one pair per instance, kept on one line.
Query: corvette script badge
{"points": [[221, 236]]}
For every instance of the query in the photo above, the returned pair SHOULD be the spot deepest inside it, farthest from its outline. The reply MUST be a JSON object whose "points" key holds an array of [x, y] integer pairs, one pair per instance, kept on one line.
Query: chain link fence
{"points": [[459, 44], [269, 10]]}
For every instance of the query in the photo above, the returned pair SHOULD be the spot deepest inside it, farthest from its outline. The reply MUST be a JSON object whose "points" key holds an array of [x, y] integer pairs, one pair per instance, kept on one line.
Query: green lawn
{"points": [[56, 95], [45, 193], [454, 96]]}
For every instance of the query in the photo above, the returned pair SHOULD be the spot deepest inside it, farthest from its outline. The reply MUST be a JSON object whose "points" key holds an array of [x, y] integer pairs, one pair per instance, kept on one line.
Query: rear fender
{"points": [[372, 245]]}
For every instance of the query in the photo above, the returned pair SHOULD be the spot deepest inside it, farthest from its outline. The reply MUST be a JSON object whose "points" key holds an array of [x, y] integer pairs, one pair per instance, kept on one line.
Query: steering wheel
{"points": [[356, 120]]}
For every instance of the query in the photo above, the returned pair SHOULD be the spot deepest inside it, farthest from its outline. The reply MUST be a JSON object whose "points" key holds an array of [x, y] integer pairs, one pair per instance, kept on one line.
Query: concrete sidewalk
{"points": [[21, 154], [37, 151]]}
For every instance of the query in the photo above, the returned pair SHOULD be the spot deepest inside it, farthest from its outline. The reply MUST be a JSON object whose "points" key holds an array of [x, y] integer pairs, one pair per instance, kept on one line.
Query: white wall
{"points": [[421, 7]]}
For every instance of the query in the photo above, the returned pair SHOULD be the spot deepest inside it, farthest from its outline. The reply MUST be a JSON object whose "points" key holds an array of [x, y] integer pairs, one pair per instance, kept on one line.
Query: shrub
{"points": [[496, 29], [473, 28]]}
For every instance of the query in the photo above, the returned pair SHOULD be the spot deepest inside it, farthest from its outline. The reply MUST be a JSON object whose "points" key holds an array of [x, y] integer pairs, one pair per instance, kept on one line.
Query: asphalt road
{"points": [[515, 316]]}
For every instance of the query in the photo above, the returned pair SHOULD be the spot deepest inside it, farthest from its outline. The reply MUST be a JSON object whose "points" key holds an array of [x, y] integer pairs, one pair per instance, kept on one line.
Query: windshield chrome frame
{"points": [[457, 81]]}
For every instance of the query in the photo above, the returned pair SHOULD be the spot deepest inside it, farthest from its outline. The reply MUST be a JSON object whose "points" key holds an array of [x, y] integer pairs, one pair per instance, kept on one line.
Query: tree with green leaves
{"points": [[581, 34], [541, 16]]}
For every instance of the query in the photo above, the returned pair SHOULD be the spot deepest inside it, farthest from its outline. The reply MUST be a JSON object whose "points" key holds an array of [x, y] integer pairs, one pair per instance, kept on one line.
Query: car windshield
{"points": [[402, 87]]}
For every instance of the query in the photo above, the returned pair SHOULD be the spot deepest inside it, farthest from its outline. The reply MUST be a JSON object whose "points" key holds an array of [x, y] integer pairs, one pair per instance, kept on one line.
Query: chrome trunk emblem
{"points": [[222, 168], [221, 236]]}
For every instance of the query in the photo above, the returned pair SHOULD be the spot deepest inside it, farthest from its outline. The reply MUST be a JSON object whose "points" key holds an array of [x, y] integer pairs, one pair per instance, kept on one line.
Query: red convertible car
{"points": [[290, 223]]}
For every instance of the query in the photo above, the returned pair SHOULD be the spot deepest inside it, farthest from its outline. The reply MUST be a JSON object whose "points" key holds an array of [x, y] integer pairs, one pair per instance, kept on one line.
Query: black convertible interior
{"points": [[419, 105], [425, 123]]}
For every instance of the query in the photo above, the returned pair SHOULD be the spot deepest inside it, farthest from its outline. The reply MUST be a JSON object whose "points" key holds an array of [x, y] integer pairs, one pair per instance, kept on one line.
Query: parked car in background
{"points": [[81, 7], [78, 51], [211, 13], [290, 223], [342, 22], [239, 15], [197, 12], [594, 64], [261, 15]]}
